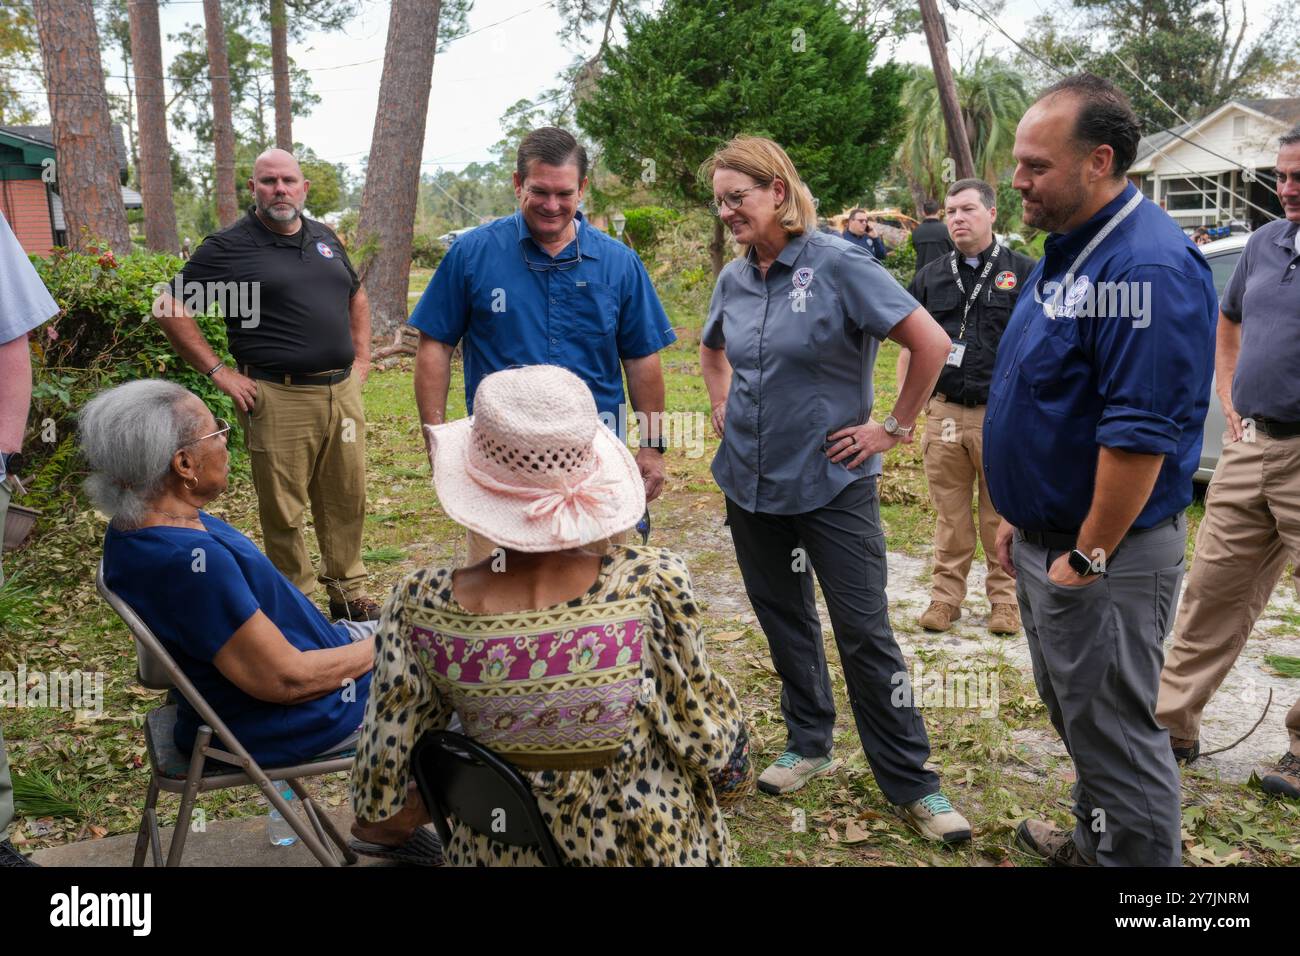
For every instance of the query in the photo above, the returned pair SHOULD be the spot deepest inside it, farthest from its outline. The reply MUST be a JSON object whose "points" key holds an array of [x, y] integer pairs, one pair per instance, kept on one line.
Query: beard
{"points": [[1052, 214], [279, 214]]}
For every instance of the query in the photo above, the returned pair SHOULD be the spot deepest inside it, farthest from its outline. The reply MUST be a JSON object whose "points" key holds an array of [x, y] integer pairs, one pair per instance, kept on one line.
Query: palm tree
{"points": [[992, 97]]}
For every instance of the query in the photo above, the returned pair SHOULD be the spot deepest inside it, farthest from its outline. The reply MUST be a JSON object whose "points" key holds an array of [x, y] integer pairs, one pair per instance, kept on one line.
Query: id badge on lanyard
{"points": [[957, 351], [1052, 308]]}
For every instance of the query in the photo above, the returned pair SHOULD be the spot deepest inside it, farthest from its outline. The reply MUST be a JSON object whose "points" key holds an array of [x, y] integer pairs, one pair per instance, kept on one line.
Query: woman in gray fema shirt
{"points": [[787, 354]]}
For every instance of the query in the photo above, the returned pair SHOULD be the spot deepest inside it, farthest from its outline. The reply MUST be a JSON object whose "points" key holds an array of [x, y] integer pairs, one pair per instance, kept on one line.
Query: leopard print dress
{"points": [[655, 799]]}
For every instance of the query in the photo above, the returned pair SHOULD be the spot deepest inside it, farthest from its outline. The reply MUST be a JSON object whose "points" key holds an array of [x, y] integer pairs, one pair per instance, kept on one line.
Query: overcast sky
{"points": [[512, 52]]}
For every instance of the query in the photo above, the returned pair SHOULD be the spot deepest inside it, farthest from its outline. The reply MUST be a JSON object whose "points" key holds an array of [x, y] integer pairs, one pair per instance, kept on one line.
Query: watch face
{"points": [[891, 425], [1080, 562]]}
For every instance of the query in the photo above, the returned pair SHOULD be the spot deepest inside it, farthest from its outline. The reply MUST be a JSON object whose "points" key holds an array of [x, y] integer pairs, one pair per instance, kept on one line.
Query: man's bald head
{"points": [[279, 189]]}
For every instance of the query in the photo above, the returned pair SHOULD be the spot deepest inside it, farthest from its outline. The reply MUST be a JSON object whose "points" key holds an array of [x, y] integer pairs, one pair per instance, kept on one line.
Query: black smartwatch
{"points": [[10, 461], [1082, 564], [660, 446]]}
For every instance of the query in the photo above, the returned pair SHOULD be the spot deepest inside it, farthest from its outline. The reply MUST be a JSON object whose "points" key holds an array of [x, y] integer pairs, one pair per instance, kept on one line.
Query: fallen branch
{"points": [[1267, 704]]}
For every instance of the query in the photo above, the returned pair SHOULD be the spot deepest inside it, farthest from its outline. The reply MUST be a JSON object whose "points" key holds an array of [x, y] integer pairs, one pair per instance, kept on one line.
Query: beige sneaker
{"points": [[934, 818], [790, 771], [939, 616], [1005, 619]]}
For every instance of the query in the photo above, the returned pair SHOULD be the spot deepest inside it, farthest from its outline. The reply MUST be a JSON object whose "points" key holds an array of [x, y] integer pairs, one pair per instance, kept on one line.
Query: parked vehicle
{"points": [[1222, 255]]}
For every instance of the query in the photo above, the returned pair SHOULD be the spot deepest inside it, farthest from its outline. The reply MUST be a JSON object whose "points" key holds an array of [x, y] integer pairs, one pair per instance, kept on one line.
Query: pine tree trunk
{"points": [[387, 217], [151, 106], [86, 165], [280, 68], [716, 247], [223, 126]]}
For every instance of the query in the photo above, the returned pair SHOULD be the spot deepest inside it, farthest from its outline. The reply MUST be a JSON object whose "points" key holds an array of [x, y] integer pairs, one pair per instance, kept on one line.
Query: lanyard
{"points": [[979, 284], [1050, 308]]}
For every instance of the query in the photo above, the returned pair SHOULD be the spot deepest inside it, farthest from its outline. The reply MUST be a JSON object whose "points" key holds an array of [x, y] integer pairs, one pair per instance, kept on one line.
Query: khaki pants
{"points": [[1251, 527], [952, 448], [307, 444]]}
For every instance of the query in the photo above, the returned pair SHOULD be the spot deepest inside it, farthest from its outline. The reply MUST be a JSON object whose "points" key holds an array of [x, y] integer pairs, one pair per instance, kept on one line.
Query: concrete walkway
{"points": [[240, 842]]}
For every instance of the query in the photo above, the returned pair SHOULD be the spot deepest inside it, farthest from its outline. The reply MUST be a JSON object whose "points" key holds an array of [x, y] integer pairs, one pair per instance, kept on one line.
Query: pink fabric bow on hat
{"points": [[575, 508]]}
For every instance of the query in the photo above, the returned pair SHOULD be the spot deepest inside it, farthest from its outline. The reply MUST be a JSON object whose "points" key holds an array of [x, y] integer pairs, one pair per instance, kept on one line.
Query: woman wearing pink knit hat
{"points": [[579, 662]]}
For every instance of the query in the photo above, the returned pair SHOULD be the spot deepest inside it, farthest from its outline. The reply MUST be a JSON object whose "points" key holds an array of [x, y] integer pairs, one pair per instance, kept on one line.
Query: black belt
{"points": [[1275, 429], [288, 378], [1068, 540], [966, 400]]}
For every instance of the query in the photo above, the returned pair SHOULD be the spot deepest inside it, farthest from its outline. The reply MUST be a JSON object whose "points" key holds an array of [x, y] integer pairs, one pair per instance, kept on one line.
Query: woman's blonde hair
{"points": [[764, 160]]}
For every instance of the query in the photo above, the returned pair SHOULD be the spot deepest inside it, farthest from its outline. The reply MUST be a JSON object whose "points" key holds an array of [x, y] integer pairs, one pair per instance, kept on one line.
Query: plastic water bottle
{"points": [[278, 830]]}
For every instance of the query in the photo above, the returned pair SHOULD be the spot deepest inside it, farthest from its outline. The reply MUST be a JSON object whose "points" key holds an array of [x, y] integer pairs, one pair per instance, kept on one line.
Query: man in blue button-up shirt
{"points": [[1092, 434], [542, 287]]}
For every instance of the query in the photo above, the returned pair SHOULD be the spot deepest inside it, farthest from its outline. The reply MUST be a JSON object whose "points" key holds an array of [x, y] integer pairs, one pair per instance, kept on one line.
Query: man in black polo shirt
{"points": [[971, 293], [298, 323], [930, 238]]}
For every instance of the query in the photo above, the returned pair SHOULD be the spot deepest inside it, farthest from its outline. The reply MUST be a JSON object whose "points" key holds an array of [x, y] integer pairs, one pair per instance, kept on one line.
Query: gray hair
{"points": [[128, 436]]}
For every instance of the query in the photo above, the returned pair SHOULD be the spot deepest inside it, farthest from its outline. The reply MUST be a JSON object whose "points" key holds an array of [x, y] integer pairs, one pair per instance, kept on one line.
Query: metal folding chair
{"points": [[463, 779], [208, 767]]}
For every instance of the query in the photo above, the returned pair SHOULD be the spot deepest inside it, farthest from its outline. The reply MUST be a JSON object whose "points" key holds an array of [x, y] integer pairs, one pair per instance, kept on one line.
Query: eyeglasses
{"points": [[733, 199], [223, 427], [559, 265]]}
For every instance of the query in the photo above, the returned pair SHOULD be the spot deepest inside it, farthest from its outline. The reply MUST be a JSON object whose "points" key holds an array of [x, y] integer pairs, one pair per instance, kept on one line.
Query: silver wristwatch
{"points": [[893, 428]]}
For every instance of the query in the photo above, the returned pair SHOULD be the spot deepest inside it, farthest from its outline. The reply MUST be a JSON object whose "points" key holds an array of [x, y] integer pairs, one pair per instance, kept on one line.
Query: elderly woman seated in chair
{"points": [[577, 659], [289, 684]]}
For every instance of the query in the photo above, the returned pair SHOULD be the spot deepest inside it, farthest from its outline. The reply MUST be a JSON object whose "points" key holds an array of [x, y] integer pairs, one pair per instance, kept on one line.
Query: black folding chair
{"points": [[463, 779]]}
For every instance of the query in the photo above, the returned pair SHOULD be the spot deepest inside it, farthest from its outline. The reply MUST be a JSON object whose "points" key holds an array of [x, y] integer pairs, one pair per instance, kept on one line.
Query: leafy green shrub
{"points": [[105, 335], [646, 225], [426, 251], [901, 261]]}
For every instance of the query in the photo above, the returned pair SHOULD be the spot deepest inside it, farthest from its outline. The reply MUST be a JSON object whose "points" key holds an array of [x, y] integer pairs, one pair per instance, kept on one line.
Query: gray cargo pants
{"points": [[1097, 652]]}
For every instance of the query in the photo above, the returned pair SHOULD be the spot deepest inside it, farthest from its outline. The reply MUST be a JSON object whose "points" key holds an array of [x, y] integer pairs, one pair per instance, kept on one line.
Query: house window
{"points": [[1184, 194], [1239, 127]]}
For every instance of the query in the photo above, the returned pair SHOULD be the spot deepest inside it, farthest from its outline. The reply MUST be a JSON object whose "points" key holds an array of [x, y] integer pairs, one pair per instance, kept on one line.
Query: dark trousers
{"points": [[1097, 653], [843, 544]]}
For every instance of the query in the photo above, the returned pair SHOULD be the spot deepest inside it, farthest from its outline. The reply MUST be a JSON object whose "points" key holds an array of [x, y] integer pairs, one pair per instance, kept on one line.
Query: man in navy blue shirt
{"points": [[1092, 434], [542, 287], [861, 231]]}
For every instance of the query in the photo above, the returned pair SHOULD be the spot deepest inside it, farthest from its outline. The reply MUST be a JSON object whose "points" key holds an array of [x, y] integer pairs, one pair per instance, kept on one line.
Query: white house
{"points": [[1194, 170]]}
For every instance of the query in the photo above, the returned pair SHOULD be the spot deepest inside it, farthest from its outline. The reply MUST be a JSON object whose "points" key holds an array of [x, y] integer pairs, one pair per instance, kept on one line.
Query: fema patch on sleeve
{"points": [[324, 249], [1005, 280]]}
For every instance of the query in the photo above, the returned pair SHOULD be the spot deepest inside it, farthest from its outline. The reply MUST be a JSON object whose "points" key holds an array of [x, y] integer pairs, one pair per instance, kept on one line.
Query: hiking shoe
{"points": [[1005, 619], [1284, 779], [10, 856], [358, 609], [1055, 846], [1185, 751], [934, 818], [939, 616], [790, 771]]}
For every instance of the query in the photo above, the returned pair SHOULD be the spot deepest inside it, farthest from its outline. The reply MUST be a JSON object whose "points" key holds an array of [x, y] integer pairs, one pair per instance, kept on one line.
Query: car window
{"points": [[1222, 266]]}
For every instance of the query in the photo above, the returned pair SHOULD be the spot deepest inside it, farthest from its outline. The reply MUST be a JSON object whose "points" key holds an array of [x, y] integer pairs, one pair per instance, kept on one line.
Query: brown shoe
{"points": [[939, 616], [1005, 619], [360, 608], [1284, 779], [1055, 846], [1185, 751]]}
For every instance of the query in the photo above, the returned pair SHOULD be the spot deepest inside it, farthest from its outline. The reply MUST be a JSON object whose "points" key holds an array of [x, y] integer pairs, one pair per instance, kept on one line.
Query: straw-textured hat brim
{"points": [[503, 518]]}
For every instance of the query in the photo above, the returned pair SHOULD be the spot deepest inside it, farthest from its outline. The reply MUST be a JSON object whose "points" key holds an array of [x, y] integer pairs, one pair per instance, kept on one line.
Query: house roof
{"points": [[43, 135], [1283, 110]]}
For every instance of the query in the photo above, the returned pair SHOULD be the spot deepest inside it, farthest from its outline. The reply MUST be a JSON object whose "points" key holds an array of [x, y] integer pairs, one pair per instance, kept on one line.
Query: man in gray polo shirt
{"points": [[1252, 508]]}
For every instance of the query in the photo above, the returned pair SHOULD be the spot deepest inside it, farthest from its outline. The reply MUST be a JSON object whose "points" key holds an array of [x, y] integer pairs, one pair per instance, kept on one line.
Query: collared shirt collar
{"points": [[580, 224], [983, 256], [1286, 237], [788, 254], [1071, 243], [265, 237]]}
